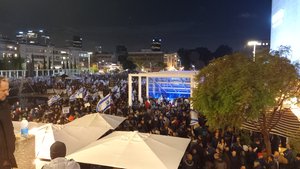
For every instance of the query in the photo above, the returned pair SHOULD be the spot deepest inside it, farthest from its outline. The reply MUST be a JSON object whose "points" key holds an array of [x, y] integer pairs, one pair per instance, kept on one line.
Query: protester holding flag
{"points": [[104, 104]]}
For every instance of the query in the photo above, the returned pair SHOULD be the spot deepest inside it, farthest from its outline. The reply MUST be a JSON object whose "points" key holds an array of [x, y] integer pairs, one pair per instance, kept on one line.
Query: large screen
{"points": [[169, 87], [285, 28]]}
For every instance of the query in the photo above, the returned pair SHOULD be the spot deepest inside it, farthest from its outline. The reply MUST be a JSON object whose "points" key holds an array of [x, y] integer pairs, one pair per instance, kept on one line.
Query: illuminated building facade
{"points": [[285, 26], [34, 37]]}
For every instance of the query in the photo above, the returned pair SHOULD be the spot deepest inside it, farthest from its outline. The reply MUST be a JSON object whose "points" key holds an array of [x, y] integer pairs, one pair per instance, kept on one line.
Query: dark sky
{"points": [[133, 23]]}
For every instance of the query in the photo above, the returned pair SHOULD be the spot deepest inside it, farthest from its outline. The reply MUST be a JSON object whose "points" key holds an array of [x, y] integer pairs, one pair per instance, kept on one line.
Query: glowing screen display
{"points": [[169, 88], [285, 29]]}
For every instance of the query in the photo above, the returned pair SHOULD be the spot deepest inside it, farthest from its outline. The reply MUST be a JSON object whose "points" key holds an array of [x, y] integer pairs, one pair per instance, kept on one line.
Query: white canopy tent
{"points": [[87, 129], [134, 150], [44, 137], [76, 134]]}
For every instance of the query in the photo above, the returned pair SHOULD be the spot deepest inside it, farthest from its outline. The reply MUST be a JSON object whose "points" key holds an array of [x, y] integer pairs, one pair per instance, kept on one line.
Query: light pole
{"points": [[89, 60], [254, 44]]}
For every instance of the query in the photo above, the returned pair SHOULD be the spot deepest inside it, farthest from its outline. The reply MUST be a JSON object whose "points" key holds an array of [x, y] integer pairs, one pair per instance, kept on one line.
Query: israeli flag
{"points": [[194, 117], [72, 97], [104, 104], [53, 99]]}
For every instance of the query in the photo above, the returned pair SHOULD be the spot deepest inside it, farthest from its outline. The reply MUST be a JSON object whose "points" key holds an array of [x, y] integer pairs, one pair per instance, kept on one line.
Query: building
{"points": [[102, 59], [34, 37], [9, 54], [121, 53], [148, 60], [8, 48], [156, 44], [172, 61], [50, 57], [38, 55], [285, 27], [77, 42]]}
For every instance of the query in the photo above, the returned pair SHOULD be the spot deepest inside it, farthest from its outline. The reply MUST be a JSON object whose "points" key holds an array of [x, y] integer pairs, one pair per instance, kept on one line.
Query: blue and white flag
{"points": [[104, 104], [53, 99], [72, 97], [194, 117]]}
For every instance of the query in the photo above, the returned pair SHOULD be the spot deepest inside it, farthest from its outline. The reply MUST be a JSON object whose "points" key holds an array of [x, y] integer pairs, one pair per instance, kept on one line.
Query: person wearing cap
{"points": [[7, 135], [58, 152]]}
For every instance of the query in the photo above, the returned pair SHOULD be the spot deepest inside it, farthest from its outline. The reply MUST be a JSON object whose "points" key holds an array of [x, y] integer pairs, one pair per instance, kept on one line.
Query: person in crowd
{"points": [[58, 152], [296, 163], [235, 162], [219, 163], [188, 162], [7, 136], [257, 165], [270, 163]]}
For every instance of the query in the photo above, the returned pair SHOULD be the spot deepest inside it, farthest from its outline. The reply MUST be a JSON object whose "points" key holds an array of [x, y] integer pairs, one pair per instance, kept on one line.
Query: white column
{"points": [[147, 87], [140, 90], [129, 90], [192, 87]]}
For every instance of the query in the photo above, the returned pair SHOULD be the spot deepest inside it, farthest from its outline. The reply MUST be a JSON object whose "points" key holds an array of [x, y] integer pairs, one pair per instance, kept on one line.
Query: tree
{"points": [[205, 54], [233, 88], [128, 64], [222, 50], [184, 58]]}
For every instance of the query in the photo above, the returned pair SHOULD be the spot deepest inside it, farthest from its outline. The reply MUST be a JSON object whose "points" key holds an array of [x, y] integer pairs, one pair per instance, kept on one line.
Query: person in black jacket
{"points": [[297, 162], [7, 136]]}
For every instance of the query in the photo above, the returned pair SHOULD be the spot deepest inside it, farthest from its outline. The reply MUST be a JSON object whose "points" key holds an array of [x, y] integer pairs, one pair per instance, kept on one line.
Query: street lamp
{"points": [[254, 44], [193, 66], [89, 60]]}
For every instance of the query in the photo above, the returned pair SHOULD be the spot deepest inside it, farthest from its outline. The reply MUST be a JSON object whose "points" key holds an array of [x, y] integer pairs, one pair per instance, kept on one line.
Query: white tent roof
{"points": [[134, 150], [96, 120], [44, 137], [76, 134]]}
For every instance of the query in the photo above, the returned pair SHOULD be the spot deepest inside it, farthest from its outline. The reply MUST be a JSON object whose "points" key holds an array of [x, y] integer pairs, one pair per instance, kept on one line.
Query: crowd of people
{"points": [[209, 149]]}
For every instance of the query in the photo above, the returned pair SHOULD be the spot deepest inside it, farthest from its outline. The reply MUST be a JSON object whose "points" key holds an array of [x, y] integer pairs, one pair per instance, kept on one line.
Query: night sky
{"points": [[133, 23]]}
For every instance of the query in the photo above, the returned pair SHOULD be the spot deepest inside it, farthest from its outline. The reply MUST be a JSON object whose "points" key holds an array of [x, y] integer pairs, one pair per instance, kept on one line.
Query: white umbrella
{"points": [[76, 134], [134, 150], [96, 120], [45, 136]]}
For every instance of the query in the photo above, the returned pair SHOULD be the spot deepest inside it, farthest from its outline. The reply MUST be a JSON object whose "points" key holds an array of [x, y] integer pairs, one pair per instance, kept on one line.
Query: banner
{"points": [[66, 110]]}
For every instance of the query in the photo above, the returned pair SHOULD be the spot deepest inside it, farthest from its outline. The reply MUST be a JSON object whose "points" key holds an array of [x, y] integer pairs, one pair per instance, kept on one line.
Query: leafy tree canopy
{"points": [[233, 87]]}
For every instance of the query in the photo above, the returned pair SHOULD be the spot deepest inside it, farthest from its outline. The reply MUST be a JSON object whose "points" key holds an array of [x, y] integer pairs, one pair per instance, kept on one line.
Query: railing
{"points": [[38, 72]]}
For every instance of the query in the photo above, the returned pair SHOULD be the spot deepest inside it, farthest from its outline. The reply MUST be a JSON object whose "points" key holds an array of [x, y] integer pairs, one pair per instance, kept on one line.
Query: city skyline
{"points": [[134, 23]]}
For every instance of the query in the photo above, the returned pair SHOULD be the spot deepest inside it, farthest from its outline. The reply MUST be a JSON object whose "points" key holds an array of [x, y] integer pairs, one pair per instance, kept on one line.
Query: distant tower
{"points": [[98, 49], [34, 37], [156, 44], [121, 53], [77, 42]]}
